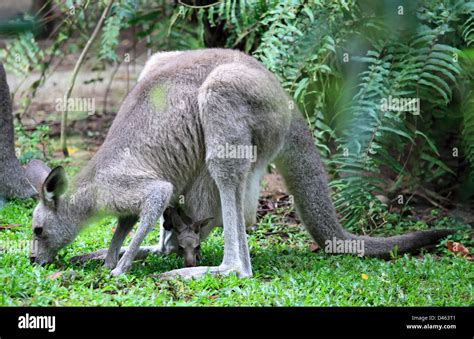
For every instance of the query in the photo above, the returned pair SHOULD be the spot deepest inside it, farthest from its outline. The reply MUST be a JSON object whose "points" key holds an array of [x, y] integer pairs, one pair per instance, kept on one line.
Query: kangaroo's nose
{"points": [[190, 260], [189, 263], [32, 259]]}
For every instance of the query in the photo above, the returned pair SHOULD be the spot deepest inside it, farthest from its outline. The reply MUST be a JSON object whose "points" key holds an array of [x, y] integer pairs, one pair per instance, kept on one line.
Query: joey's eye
{"points": [[38, 230]]}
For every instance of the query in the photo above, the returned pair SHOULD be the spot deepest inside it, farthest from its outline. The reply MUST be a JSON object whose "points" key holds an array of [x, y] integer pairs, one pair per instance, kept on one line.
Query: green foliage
{"points": [[33, 145], [243, 21], [120, 14], [22, 55], [468, 131], [341, 60]]}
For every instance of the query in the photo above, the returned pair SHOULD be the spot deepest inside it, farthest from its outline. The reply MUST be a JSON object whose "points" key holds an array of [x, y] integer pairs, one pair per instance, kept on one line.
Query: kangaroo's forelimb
{"points": [[153, 206]]}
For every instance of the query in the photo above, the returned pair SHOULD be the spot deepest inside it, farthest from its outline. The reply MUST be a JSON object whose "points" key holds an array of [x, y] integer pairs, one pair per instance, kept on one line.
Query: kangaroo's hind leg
{"points": [[230, 176], [226, 121]]}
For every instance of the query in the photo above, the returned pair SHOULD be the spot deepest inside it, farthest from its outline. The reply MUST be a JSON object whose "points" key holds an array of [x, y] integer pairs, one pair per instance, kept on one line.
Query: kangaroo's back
{"points": [[160, 129]]}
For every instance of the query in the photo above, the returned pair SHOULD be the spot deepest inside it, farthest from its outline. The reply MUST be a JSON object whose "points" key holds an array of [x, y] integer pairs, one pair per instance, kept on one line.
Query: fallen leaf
{"points": [[314, 247], [6, 227], [458, 248], [279, 196], [55, 275], [364, 276], [71, 150], [383, 199]]}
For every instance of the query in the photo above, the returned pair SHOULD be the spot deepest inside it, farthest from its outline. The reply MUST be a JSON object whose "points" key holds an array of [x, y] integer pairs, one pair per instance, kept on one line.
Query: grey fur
{"points": [[166, 141], [13, 182]]}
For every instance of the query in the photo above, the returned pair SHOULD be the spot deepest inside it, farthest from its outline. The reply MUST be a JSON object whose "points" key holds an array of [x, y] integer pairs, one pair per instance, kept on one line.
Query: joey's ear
{"points": [[173, 220], [167, 224], [36, 172], [199, 224], [184, 217], [54, 186], [178, 224]]}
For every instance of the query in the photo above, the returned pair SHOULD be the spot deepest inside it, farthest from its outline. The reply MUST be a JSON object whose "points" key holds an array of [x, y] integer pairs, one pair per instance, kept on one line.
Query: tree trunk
{"points": [[13, 183]]}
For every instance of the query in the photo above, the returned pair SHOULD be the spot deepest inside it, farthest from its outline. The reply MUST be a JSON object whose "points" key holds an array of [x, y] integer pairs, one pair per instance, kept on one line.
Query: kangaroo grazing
{"points": [[177, 133]]}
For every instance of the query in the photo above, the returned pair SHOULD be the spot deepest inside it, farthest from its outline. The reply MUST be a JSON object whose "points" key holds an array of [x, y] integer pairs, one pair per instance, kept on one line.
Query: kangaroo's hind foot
{"points": [[198, 272]]}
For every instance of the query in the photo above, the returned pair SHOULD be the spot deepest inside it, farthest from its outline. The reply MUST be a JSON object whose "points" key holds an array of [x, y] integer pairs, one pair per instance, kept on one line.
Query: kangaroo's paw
{"points": [[123, 265], [116, 272], [197, 272], [120, 269], [111, 262]]}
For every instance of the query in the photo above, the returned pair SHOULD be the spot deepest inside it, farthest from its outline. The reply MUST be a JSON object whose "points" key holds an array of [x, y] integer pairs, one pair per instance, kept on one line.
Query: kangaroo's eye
{"points": [[38, 230], [181, 248]]}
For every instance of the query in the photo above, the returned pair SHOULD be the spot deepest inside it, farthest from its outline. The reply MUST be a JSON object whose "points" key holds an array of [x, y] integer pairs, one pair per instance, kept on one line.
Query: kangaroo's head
{"points": [[185, 233], [52, 228]]}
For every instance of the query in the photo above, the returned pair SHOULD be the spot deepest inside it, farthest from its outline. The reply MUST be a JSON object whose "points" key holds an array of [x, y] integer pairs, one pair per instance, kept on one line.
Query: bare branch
{"points": [[74, 75]]}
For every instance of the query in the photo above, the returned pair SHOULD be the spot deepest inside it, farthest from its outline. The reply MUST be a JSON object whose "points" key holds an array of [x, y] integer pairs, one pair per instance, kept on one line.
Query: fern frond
{"points": [[121, 12], [467, 30], [468, 129], [22, 55]]}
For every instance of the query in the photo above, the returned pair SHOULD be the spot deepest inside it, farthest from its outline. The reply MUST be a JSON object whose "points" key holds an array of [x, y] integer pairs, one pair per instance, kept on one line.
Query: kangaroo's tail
{"points": [[301, 167]]}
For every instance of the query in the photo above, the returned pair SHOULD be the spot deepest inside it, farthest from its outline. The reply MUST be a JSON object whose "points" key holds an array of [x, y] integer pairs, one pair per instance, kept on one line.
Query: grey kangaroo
{"points": [[176, 134]]}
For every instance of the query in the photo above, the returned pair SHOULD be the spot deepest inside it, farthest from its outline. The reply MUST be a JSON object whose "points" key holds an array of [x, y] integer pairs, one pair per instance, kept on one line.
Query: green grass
{"points": [[286, 273]]}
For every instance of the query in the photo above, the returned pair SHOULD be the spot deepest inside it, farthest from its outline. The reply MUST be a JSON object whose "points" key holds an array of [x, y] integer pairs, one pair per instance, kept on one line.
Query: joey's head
{"points": [[51, 225], [184, 235]]}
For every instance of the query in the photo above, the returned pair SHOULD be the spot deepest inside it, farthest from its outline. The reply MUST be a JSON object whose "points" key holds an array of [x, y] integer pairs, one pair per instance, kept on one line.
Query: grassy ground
{"points": [[286, 272]]}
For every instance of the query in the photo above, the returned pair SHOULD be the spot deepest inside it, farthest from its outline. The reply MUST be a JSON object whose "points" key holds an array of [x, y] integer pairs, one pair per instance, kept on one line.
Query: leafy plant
{"points": [[342, 61], [33, 145]]}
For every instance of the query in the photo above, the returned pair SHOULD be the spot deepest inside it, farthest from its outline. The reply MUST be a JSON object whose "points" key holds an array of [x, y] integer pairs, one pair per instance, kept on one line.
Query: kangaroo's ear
{"points": [[36, 172], [54, 186], [173, 220], [199, 224], [167, 224], [184, 217]]}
